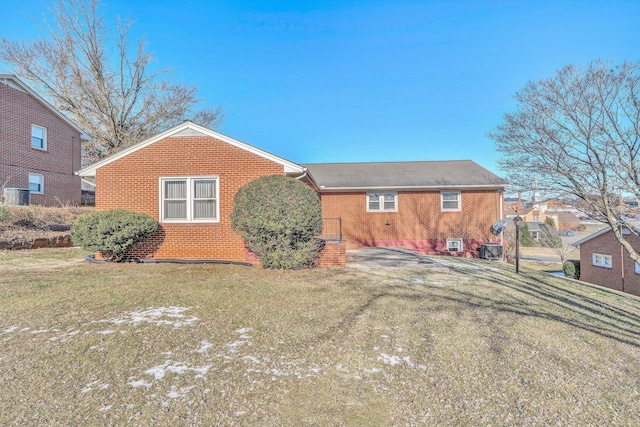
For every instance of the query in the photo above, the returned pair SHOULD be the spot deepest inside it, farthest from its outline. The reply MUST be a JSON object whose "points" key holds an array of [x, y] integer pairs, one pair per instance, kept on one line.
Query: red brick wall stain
{"points": [[607, 244], [419, 223], [18, 111], [132, 183]]}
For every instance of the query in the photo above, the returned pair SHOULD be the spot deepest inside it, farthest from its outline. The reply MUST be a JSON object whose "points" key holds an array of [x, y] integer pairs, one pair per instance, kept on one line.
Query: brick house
{"points": [[604, 262], [435, 207], [166, 175], [40, 149]]}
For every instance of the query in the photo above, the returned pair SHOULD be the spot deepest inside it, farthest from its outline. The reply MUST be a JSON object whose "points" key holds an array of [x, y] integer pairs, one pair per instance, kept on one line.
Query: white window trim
{"points": [[458, 209], [189, 180], [602, 262], [381, 201], [455, 240], [41, 185], [44, 139]]}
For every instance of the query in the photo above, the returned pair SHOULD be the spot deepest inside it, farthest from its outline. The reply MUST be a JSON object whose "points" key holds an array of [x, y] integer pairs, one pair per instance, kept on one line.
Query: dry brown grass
{"points": [[473, 346], [34, 221]]}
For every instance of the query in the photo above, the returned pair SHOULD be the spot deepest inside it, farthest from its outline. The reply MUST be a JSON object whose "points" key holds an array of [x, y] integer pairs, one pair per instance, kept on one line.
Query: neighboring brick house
{"points": [[166, 175], [435, 207], [605, 262], [40, 149]]}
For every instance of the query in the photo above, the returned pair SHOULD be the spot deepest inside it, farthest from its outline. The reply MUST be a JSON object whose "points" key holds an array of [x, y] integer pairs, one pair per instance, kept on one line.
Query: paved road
{"points": [[389, 258]]}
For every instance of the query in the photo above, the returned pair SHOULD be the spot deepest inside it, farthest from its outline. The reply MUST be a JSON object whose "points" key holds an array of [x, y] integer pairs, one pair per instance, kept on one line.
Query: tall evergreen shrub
{"points": [[279, 218]]}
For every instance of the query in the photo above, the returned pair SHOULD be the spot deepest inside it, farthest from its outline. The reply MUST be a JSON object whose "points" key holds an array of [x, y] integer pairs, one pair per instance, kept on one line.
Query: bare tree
{"points": [[553, 237], [578, 135], [95, 76]]}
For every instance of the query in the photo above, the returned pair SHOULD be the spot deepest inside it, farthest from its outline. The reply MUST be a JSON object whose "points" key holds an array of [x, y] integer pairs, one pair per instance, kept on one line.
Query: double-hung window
{"points": [[382, 202], [192, 199], [451, 201], [36, 183], [601, 260], [38, 137]]}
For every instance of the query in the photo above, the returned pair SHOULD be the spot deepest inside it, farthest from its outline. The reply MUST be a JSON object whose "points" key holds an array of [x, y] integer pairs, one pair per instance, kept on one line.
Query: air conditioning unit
{"points": [[491, 251]]}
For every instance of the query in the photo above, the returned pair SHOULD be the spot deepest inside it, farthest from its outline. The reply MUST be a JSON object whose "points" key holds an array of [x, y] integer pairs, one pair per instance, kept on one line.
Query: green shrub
{"points": [[571, 269], [112, 232], [278, 218], [525, 236], [5, 215]]}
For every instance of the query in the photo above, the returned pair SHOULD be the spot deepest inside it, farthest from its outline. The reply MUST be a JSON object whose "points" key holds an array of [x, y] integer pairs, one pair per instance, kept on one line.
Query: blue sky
{"points": [[366, 80]]}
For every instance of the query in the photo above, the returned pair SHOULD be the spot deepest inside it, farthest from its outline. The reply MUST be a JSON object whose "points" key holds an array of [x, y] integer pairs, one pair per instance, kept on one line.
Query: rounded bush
{"points": [[112, 232], [279, 218], [571, 269]]}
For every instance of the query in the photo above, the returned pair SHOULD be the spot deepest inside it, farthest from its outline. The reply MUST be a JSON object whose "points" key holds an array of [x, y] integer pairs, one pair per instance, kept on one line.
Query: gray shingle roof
{"points": [[398, 175]]}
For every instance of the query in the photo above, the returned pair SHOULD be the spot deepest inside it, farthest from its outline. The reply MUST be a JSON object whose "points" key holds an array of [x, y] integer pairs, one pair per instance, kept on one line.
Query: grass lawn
{"points": [[167, 344]]}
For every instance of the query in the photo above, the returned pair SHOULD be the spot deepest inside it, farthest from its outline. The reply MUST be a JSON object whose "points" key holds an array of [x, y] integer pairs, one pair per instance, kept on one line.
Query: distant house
{"points": [[604, 261], [433, 207], [39, 147]]}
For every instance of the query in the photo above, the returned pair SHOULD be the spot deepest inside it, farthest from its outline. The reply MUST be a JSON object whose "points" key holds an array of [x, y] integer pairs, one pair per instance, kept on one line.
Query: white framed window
{"points": [[189, 199], [601, 260], [382, 202], [637, 268], [38, 137], [451, 200], [36, 183], [454, 245]]}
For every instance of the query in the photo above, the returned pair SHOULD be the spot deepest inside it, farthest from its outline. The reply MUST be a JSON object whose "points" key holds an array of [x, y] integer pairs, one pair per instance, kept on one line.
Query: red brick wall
{"points": [[132, 183], [419, 223], [607, 244], [333, 254], [18, 111]]}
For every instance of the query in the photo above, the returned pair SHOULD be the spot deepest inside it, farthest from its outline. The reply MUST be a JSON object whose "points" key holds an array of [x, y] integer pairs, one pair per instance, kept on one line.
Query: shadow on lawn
{"points": [[530, 294], [536, 294]]}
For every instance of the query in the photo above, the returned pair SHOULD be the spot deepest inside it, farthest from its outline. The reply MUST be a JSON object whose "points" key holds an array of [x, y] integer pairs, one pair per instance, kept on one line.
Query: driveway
{"points": [[377, 257]]}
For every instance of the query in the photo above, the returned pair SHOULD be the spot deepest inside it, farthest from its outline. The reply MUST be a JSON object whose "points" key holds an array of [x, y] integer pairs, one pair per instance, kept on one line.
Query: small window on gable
{"points": [[601, 260], [36, 183], [454, 245], [189, 199], [451, 200], [38, 137], [382, 202]]}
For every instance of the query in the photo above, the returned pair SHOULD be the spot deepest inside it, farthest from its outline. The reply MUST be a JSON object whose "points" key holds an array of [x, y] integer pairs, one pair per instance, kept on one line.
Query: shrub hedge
{"points": [[112, 232]]}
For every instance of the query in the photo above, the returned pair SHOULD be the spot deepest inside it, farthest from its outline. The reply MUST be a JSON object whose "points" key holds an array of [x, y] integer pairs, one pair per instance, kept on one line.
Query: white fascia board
{"points": [[418, 187], [17, 82], [289, 167], [592, 236]]}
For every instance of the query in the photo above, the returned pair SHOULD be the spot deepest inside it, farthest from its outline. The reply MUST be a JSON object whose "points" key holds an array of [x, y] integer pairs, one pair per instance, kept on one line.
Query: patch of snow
{"points": [[243, 330], [140, 383], [252, 359], [40, 331], [158, 316], [97, 383], [204, 347], [106, 332], [182, 392], [239, 413], [10, 329], [179, 368], [105, 408]]}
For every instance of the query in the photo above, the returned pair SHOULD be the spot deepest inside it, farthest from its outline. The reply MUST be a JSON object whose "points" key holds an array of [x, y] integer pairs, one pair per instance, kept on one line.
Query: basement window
{"points": [[454, 245], [601, 260], [189, 199]]}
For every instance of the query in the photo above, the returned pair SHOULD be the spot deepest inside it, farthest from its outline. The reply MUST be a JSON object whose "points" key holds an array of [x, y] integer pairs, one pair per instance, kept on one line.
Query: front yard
{"points": [[167, 344]]}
